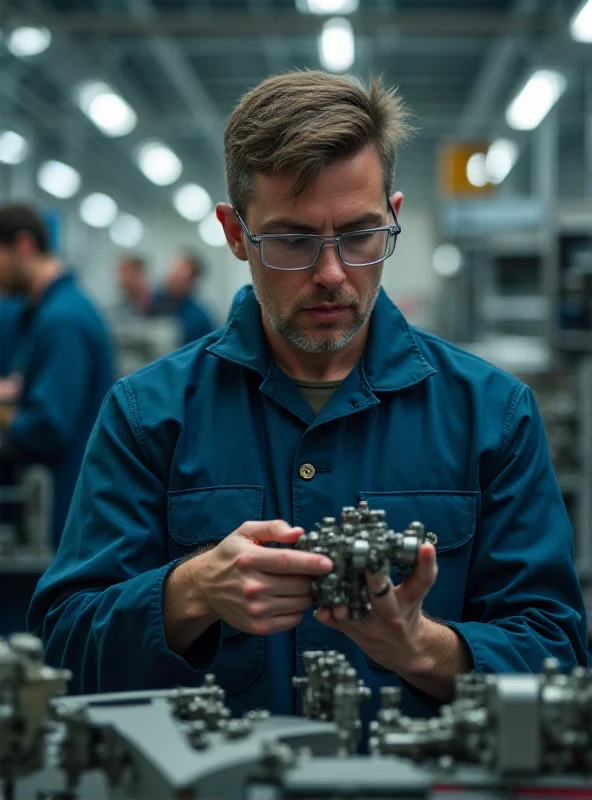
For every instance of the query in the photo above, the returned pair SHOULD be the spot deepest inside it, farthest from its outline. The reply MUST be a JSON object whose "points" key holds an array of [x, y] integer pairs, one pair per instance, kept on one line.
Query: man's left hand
{"points": [[394, 633]]}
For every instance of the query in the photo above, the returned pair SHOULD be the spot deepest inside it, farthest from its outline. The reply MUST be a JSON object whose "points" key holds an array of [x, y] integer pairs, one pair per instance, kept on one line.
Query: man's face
{"points": [[130, 277], [319, 310], [180, 281], [12, 275]]}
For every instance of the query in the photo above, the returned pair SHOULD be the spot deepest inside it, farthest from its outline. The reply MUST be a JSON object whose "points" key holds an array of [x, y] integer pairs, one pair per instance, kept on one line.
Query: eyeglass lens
{"points": [[298, 252]]}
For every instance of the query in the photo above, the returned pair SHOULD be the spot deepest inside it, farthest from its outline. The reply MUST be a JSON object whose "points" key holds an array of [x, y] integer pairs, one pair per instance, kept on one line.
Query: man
{"points": [[64, 363], [177, 298], [315, 395], [134, 285]]}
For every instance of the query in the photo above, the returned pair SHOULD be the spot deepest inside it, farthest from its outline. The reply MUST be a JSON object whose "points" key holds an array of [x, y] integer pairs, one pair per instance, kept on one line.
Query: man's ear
{"points": [[397, 201], [232, 230]]}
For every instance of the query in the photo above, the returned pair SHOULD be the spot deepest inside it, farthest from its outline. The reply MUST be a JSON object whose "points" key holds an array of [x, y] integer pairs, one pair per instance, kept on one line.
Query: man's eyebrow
{"points": [[287, 225]]}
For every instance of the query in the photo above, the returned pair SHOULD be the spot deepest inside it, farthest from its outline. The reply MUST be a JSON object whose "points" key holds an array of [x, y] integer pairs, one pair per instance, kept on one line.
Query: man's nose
{"points": [[329, 270]]}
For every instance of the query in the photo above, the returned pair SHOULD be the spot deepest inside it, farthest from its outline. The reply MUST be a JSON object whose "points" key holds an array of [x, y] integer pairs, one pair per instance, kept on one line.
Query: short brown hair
{"points": [[303, 120], [16, 219]]}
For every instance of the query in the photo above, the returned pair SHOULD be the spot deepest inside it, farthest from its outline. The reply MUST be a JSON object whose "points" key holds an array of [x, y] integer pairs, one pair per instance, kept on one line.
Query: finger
{"points": [[414, 588], [340, 613], [280, 606], [325, 617], [286, 562], [382, 596], [276, 530], [282, 585]]}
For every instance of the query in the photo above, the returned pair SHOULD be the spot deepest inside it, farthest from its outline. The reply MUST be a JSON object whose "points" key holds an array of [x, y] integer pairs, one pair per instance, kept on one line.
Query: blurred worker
{"points": [[177, 298], [134, 284], [11, 309], [317, 394], [63, 357]]}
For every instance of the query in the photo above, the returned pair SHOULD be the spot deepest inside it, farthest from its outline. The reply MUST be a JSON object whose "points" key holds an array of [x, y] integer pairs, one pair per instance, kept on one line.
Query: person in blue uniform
{"points": [[63, 358], [177, 298], [316, 394], [11, 309]]}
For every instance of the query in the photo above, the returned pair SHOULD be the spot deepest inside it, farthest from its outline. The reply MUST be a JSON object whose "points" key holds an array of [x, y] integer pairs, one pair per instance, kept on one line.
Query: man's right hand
{"points": [[259, 590]]}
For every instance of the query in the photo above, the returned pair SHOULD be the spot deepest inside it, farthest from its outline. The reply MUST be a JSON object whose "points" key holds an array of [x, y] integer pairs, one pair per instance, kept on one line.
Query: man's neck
{"points": [[316, 367], [45, 272]]}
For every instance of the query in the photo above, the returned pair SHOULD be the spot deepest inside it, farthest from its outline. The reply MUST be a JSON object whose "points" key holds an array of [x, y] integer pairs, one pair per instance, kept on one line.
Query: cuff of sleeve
{"points": [[201, 656], [472, 635]]}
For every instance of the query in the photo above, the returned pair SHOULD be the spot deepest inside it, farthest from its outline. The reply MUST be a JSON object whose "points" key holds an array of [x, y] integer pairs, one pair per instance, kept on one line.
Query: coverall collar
{"points": [[393, 359]]}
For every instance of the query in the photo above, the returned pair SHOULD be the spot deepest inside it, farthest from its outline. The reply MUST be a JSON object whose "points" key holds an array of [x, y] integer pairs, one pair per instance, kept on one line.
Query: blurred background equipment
{"points": [[112, 116], [502, 736]]}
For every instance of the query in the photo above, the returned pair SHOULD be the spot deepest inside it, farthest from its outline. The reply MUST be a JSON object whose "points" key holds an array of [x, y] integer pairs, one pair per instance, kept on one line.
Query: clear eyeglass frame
{"points": [[258, 240]]}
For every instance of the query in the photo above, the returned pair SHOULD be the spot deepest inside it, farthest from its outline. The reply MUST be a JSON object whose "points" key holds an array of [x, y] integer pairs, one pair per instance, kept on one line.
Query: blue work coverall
{"points": [[191, 446], [64, 355]]}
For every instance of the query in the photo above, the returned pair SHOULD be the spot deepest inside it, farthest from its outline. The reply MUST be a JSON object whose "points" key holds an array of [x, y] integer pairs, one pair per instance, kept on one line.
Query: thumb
{"points": [[276, 530]]}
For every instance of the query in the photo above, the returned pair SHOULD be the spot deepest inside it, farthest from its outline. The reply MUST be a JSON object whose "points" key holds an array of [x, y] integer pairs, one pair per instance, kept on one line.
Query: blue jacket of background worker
{"points": [[64, 355], [11, 310], [191, 446], [191, 314]]}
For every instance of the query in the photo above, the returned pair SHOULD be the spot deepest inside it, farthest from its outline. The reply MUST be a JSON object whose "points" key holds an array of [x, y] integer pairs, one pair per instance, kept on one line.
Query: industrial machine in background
{"points": [[140, 340], [503, 736], [26, 520]]}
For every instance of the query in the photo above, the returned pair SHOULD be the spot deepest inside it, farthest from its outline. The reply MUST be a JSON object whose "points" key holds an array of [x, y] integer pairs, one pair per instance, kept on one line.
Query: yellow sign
{"points": [[453, 158]]}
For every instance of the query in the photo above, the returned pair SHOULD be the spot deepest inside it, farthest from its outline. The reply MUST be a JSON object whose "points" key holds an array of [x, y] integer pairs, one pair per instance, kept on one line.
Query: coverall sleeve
{"points": [[98, 608], [59, 376], [524, 602]]}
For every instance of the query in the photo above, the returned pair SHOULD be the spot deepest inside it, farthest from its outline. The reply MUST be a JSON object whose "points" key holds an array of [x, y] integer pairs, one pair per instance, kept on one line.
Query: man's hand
{"points": [[393, 633], [256, 589], [10, 389]]}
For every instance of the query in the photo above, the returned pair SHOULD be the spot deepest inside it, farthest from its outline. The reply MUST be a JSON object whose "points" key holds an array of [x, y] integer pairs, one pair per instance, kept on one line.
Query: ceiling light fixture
{"points": [[159, 164], [500, 159], [13, 147], [337, 45], [109, 112], [192, 202], [580, 25], [126, 231], [327, 6], [476, 170], [98, 210], [58, 179], [534, 101], [28, 40]]}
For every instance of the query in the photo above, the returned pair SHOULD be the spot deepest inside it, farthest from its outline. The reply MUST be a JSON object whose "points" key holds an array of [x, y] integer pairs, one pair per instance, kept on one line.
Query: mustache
{"points": [[335, 298]]}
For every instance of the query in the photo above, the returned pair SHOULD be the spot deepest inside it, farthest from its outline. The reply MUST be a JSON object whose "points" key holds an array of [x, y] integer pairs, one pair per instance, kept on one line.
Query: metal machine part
{"points": [[26, 541], [505, 736], [511, 724], [26, 690], [361, 542], [332, 691]]}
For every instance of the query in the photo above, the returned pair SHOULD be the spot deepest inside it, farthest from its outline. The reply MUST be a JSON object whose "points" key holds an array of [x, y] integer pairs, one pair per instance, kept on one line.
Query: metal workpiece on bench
{"points": [[362, 541], [521, 724], [332, 691]]}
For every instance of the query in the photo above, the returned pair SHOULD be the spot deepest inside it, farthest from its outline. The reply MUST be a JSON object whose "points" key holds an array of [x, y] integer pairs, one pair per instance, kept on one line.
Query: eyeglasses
{"points": [[293, 251]]}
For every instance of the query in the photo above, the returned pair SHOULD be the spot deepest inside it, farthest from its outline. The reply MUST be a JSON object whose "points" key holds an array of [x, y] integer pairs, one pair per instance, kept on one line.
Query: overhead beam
{"points": [[185, 80], [482, 102], [278, 23]]}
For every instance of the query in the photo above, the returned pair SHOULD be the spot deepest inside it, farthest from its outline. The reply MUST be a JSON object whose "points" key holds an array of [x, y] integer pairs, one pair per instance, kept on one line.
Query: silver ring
{"points": [[384, 589]]}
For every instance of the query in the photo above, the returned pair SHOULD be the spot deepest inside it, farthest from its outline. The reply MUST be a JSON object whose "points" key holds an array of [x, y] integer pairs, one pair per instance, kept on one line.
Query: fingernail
{"points": [[325, 563]]}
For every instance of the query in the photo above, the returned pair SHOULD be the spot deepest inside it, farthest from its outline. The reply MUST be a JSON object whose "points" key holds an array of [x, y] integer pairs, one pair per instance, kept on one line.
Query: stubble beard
{"points": [[327, 339]]}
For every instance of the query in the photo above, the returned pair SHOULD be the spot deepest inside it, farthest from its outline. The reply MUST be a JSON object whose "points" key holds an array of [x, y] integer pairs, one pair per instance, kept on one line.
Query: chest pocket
{"points": [[452, 516], [199, 519]]}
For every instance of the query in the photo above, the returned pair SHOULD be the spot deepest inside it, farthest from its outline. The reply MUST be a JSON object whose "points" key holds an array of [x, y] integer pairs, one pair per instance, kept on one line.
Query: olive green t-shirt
{"points": [[317, 394]]}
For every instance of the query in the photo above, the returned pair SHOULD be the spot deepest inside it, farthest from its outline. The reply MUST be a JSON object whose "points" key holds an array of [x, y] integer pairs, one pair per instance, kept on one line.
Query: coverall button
{"points": [[307, 471]]}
